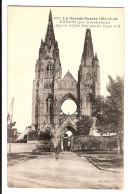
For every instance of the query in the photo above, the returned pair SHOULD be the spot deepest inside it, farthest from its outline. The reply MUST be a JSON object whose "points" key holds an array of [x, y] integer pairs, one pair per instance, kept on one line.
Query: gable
{"points": [[68, 82], [69, 77], [64, 125]]}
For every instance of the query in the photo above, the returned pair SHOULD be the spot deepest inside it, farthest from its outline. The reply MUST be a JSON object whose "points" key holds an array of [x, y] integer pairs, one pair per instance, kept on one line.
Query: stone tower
{"points": [[50, 90], [48, 69], [88, 76]]}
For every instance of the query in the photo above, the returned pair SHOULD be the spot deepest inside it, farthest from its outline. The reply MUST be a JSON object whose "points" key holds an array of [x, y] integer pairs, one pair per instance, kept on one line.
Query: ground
{"points": [[71, 170], [111, 162]]}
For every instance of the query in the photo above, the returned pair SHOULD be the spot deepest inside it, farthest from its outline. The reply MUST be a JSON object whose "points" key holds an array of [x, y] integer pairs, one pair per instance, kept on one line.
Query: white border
{"points": [[97, 3]]}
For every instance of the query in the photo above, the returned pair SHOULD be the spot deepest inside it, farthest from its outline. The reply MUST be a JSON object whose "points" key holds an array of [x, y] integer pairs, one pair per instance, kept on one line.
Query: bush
{"points": [[45, 135], [94, 143], [45, 147]]}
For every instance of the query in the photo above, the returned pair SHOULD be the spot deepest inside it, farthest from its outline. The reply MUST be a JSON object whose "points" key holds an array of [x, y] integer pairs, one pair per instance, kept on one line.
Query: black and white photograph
{"points": [[65, 97]]}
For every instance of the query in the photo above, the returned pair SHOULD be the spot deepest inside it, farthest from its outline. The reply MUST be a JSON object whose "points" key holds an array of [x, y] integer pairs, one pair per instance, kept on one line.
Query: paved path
{"points": [[69, 171]]}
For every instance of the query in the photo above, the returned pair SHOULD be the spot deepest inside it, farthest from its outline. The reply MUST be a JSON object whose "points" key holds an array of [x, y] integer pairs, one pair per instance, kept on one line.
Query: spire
{"points": [[96, 58], [50, 16], [49, 48], [50, 36], [95, 61], [88, 47]]}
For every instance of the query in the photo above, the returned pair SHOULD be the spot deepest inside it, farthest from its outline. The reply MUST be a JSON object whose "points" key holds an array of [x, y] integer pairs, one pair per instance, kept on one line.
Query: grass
{"points": [[106, 161], [14, 158]]}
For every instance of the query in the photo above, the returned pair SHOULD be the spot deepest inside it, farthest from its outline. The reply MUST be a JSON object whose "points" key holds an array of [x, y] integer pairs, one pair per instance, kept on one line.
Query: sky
{"points": [[26, 27]]}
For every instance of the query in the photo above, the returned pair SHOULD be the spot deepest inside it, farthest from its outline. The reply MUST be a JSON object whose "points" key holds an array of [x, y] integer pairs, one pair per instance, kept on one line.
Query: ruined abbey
{"points": [[50, 89]]}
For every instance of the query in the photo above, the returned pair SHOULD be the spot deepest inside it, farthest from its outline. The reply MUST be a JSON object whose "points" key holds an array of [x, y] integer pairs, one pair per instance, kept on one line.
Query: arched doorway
{"points": [[67, 130], [67, 139]]}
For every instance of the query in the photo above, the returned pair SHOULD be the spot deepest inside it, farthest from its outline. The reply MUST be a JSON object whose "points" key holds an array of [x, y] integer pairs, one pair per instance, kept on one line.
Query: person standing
{"points": [[57, 151]]}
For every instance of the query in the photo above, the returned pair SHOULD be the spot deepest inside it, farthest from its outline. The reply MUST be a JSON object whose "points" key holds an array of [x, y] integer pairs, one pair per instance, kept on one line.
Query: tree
{"points": [[116, 102], [11, 132], [45, 135], [109, 111], [84, 125]]}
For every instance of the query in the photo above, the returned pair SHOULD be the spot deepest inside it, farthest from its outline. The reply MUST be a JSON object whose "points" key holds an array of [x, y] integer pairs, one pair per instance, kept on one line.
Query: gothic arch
{"points": [[88, 76], [67, 125], [48, 103], [49, 69], [68, 128], [47, 129], [69, 96]]}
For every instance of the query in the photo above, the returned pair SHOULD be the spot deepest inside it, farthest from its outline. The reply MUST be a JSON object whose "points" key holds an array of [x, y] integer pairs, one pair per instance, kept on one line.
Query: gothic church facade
{"points": [[50, 90]]}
